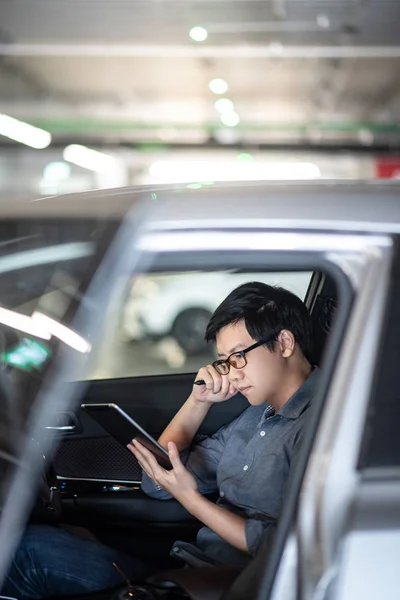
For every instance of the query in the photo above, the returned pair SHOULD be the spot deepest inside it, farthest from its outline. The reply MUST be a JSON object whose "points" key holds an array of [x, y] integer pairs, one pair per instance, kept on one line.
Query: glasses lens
{"points": [[237, 360], [221, 366]]}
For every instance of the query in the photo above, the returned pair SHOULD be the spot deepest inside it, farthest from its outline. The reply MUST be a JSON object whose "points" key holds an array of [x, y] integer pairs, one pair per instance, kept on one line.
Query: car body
{"points": [[342, 512]]}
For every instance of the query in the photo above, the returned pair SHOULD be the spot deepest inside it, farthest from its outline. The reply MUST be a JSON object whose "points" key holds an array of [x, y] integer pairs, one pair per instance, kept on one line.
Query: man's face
{"points": [[261, 379]]}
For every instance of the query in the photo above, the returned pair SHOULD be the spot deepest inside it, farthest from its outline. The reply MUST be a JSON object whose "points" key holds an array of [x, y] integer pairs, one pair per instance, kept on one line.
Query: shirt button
{"points": [[176, 549], [222, 494], [262, 433], [245, 467]]}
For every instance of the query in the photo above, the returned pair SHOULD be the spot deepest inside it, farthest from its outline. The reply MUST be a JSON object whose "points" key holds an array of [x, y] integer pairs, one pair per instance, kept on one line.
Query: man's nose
{"points": [[235, 374]]}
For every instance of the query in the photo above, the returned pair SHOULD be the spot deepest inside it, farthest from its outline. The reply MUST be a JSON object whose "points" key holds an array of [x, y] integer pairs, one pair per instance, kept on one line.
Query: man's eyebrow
{"points": [[234, 349]]}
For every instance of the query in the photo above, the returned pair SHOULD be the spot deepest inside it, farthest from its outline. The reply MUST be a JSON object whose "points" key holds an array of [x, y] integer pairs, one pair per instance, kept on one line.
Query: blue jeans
{"points": [[53, 562]]}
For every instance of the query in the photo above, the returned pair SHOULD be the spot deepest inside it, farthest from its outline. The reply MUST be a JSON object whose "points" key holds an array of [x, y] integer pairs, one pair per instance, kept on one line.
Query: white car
{"points": [[180, 305]]}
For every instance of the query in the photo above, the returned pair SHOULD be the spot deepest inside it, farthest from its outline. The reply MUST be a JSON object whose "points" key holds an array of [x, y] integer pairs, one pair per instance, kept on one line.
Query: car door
{"points": [[364, 548]]}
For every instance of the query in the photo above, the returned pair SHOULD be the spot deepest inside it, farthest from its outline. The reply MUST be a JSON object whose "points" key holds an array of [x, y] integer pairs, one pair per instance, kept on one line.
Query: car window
{"points": [[157, 325], [45, 265]]}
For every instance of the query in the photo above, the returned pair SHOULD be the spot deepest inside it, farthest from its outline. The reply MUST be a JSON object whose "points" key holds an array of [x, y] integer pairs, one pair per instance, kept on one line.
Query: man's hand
{"points": [[182, 485], [178, 481], [217, 387]]}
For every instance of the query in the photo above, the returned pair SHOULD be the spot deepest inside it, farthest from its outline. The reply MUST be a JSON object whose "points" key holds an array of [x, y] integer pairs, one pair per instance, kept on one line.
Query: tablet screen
{"points": [[124, 429]]}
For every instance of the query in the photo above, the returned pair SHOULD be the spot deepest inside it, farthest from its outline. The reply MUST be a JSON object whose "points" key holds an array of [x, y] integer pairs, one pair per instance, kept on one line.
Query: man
{"points": [[263, 338]]}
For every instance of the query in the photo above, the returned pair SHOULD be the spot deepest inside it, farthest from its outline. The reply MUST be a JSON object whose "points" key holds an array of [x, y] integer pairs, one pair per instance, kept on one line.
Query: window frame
{"points": [[380, 441]]}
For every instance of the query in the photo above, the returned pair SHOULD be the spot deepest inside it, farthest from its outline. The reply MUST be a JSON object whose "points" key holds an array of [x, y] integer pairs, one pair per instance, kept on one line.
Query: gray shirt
{"points": [[247, 462]]}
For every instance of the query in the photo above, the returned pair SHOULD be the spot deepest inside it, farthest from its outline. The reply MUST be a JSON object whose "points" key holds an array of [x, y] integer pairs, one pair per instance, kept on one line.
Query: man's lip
{"points": [[244, 388]]}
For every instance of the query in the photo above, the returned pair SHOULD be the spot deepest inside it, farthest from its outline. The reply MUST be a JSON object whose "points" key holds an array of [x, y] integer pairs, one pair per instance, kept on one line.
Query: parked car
{"points": [[67, 262], [180, 305]]}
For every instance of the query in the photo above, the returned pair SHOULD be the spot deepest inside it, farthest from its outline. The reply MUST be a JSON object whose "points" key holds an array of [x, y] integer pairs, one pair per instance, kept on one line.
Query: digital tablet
{"points": [[124, 429]]}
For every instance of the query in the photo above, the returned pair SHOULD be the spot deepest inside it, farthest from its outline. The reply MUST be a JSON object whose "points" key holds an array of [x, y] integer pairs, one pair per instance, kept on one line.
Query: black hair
{"points": [[265, 310]]}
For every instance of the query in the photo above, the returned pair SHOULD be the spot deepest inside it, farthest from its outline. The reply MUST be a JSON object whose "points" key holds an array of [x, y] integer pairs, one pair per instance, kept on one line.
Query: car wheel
{"points": [[189, 329]]}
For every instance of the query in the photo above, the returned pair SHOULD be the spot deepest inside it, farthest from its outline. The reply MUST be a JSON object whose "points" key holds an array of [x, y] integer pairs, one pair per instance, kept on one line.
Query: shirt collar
{"points": [[296, 404], [293, 408]]}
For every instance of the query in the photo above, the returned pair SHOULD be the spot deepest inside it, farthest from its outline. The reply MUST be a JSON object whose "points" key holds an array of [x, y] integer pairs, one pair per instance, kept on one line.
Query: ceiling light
{"points": [[198, 34], [88, 158], [56, 171], [224, 105], [230, 119], [24, 133], [170, 171], [218, 86]]}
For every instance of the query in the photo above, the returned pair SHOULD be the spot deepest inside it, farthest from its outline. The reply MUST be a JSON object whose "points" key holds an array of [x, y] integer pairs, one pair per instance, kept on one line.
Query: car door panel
{"points": [[130, 506], [90, 453], [100, 478]]}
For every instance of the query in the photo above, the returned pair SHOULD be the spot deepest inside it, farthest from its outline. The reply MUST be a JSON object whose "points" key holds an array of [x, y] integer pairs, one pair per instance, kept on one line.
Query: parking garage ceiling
{"points": [[122, 72]]}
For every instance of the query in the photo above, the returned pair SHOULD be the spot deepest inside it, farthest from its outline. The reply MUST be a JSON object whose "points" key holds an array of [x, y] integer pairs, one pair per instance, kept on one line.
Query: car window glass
{"points": [[157, 325], [45, 266]]}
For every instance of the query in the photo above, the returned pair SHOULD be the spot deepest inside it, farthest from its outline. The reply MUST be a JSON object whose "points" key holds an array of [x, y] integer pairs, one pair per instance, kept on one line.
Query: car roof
{"points": [[356, 205]]}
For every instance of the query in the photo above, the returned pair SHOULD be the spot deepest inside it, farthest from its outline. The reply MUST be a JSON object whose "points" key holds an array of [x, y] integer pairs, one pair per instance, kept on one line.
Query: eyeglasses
{"points": [[237, 360]]}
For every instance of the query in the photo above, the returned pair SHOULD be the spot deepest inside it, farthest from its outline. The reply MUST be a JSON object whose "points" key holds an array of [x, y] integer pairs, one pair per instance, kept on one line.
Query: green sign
{"points": [[27, 354]]}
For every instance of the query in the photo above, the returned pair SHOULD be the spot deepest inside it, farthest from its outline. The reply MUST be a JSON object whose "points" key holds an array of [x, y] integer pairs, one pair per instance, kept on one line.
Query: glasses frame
{"points": [[243, 353]]}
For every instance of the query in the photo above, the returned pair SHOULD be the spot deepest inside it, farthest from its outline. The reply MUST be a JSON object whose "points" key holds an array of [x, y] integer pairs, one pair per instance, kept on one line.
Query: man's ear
{"points": [[286, 343]]}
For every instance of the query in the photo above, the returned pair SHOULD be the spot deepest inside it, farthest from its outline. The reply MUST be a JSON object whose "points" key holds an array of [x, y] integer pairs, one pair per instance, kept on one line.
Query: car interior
{"points": [[93, 482]]}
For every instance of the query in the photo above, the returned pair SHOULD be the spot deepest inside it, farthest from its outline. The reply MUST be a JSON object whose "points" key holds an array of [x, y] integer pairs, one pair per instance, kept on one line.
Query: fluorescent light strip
{"points": [[63, 333], [23, 323], [43, 327], [24, 133], [88, 158]]}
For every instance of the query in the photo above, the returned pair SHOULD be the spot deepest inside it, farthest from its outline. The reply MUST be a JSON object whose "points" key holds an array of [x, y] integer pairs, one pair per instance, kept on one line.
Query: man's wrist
{"points": [[190, 500], [196, 402]]}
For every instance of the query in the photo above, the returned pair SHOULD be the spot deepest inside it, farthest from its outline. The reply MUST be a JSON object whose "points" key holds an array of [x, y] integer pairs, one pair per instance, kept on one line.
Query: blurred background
{"points": [[125, 92], [109, 93]]}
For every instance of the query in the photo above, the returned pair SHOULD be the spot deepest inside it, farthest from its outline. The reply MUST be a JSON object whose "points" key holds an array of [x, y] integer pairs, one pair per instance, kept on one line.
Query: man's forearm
{"points": [[185, 424], [227, 525]]}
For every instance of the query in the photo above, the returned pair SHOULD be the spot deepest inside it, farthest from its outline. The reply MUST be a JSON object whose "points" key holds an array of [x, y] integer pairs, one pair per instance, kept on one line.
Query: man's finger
{"points": [[142, 462], [139, 455], [174, 456], [148, 473], [148, 457], [225, 386], [208, 378]]}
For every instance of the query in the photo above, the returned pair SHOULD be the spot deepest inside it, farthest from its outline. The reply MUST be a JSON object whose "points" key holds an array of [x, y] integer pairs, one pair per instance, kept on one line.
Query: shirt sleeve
{"points": [[153, 490], [257, 531], [202, 460]]}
